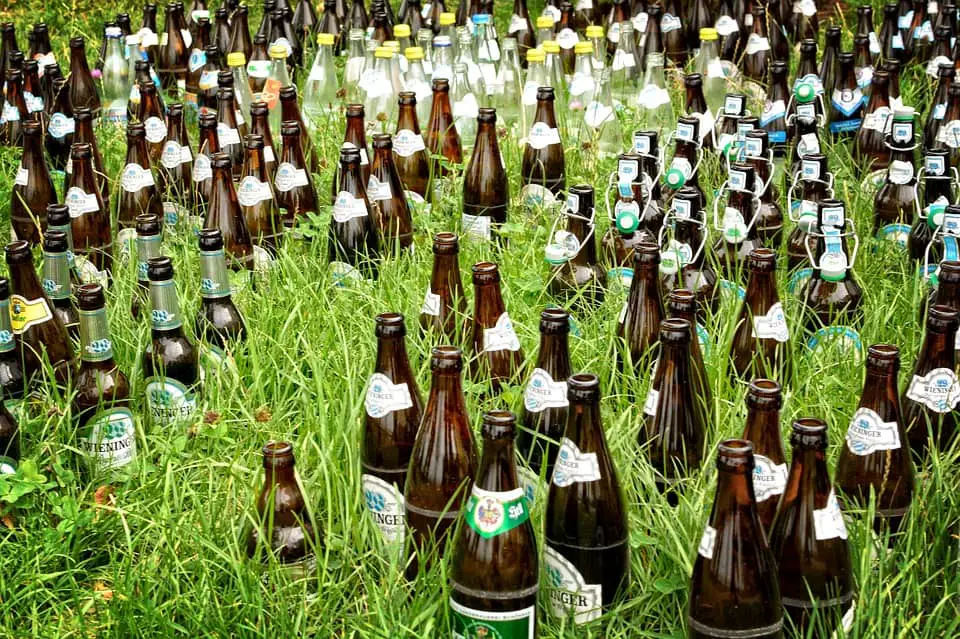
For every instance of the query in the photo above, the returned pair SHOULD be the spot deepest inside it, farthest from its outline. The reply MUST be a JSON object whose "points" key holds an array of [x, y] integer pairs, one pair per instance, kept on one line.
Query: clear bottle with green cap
{"points": [[707, 64], [320, 90], [654, 108]]}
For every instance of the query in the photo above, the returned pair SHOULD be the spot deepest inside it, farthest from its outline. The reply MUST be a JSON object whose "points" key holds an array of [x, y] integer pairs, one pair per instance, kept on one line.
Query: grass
{"points": [[162, 555]]}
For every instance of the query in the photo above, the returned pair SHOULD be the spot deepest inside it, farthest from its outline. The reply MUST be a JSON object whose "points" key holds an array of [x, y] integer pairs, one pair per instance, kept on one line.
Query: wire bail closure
{"points": [[564, 245], [670, 218]]}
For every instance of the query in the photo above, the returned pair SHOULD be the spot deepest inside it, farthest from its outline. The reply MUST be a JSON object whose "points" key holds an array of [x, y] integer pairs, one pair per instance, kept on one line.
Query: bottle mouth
{"points": [[277, 453], [390, 325], [481, 269], [498, 424], [446, 358], [675, 330], [809, 426], [883, 354], [735, 455], [584, 386], [683, 299], [17, 250]]}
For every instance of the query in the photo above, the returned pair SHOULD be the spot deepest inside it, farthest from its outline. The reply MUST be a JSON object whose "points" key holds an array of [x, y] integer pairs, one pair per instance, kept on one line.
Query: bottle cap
{"points": [[903, 114], [278, 51], [441, 41], [480, 18], [536, 55], [238, 59], [113, 32], [447, 19], [414, 53], [805, 92], [708, 33], [322, 38], [556, 253], [545, 22], [627, 220], [401, 30], [383, 52], [393, 45], [674, 178], [594, 31], [550, 46], [583, 48]]}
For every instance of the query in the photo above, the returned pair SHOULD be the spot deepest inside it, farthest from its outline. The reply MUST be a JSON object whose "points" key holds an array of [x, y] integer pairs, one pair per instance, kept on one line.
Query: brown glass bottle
{"points": [[486, 191], [682, 304], [761, 343], [813, 188], [15, 112], [220, 326], [228, 131], [176, 166], [148, 246], [258, 66], [138, 190], [90, 219], [355, 136], [442, 137], [151, 114], [12, 379], [393, 410], [173, 54], [809, 537], [240, 33], [875, 458], [208, 145], [222, 31], [757, 54], [895, 201], [832, 296], [101, 403], [32, 190], [84, 134], [543, 171], [55, 280], [640, 319], [353, 242], [41, 334], [494, 570], [444, 309], [497, 353], [385, 192], [696, 107], [762, 429], [224, 214], [260, 125], [673, 428], [83, 91], [199, 68], [734, 589], [869, 145], [684, 168], [770, 218], [586, 549], [61, 128], [938, 105], [409, 150], [284, 530], [938, 193], [296, 195], [930, 399], [290, 111], [207, 87], [257, 201], [846, 100], [739, 233], [575, 275], [443, 462], [684, 263], [672, 32]]}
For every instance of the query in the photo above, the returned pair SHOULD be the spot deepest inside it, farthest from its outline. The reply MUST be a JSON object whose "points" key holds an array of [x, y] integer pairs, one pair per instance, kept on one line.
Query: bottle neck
{"points": [[583, 422], [166, 316], [56, 276], [488, 296], [497, 471], [95, 344], [938, 349], [215, 278], [554, 355], [276, 475], [733, 493], [761, 287], [148, 247], [446, 273]]}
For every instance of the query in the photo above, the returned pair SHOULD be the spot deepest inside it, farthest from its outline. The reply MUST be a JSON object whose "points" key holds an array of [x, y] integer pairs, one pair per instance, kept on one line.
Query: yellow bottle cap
{"points": [[583, 48], [325, 39], [401, 30], [545, 22], [594, 31], [236, 59], [383, 52], [536, 55], [278, 51], [551, 46], [447, 19], [708, 33], [414, 53]]}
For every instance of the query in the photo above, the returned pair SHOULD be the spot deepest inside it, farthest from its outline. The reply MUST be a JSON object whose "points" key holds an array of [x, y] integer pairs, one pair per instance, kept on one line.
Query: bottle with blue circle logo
{"points": [[683, 241]]}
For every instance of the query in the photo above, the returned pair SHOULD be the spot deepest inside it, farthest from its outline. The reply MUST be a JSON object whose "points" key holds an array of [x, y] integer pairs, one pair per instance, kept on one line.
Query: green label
{"points": [[214, 278], [148, 246], [95, 336], [481, 624], [166, 307], [168, 401], [109, 439], [491, 513], [56, 276], [8, 465]]}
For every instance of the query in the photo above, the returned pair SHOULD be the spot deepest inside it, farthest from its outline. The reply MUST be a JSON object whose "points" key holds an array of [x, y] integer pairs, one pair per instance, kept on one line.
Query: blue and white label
{"points": [[868, 433]]}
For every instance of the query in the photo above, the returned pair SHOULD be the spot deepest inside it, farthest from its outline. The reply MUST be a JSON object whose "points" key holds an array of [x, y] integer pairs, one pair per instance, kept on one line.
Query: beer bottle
{"points": [[846, 102], [938, 106], [757, 56], [220, 326], [521, 29], [948, 136], [829, 64], [673, 420], [353, 242], [863, 65], [409, 150], [60, 130], [498, 356], [874, 458], [101, 404], [283, 528], [729, 26], [260, 125], [385, 193], [576, 275], [444, 308], [170, 361], [138, 190], [296, 195], [33, 92], [148, 32], [12, 381], [394, 407], [815, 182], [938, 193], [808, 91], [696, 107], [48, 75], [199, 68], [895, 202], [222, 32], [922, 31], [494, 569], [635, 185], [773, 119], [756, 152], [257, 201], [207, 83], [32, 190], [761, 342], [762, 429], [355, 136], [15, 113], [651, 39], [56, 281], [228, 130], [40, 49], [9, 441], [83, 91], [809, 537], [208, 145], [869, 145], [892, 67], [258, 68], [683, 263], [738, 226], [486, 192], [58, 219], [148, 247], [151, 114], [289, 111], [865, 28], [224, 214], [84, 134], [40, 332], [682, 304], [176, 166], [671, 30], [930, 401], [543, 172], [891, 40], [173, 54], [90, 219], [685, 165], [442, 137], [734, 536], [586, 552], [443, 462], [240, 33], [639, 325]]}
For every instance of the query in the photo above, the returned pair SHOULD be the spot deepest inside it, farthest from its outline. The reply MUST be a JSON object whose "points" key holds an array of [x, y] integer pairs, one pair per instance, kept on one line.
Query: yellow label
{"points": [[25, 313]]}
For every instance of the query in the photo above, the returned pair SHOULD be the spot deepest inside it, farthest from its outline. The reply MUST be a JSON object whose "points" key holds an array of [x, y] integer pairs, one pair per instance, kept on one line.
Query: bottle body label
{"points": [[772, 110], [252, 191], [900, 172], [573, 466], [868, 433], [61, 126], [650, 403], [707, 541], [109, 439], [156, 129], [406, 143], [386, 506], [227, 135], [491, 513], [168, 401], [346, 207], [516, 24], [476, 226], [756, 43], [79, 202], [773, 325], [23, 176], [569, 591], [938, 390], [171, 156], [201, 168], [501, 337], [378, 191], [769, 478], [542, 392], [431, 304], [542, 135], [384, 397], [135, 177], [652, 96], [878, 119], [828, 521], [467, 622], [289, 176], [25, 313], [8, 465]]}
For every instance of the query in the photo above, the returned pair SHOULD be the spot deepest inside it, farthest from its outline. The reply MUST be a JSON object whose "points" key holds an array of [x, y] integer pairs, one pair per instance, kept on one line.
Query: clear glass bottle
{"points": [[486, 50], [536, 78], [115, 78], [509, 84], [466, 105], [626, 74], [378, 96], [654, 109], [320, 90], [583, 88], [278, 78], [602, 128], [353, 70], [442, 58], [474, 74], [707, 64], [416, 81]]}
